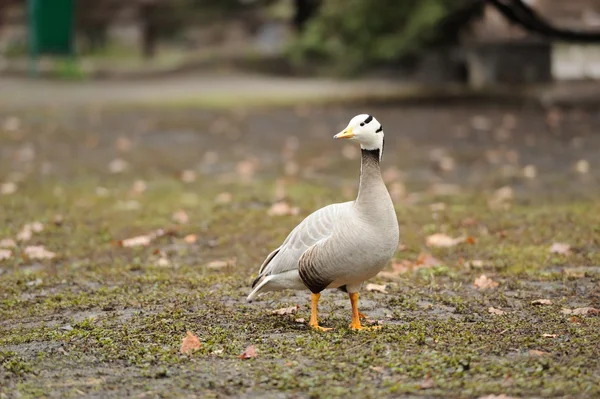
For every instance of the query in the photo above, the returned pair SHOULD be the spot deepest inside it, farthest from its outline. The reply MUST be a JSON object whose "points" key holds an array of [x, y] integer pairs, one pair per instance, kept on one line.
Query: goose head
{"points": [[365, 130]]}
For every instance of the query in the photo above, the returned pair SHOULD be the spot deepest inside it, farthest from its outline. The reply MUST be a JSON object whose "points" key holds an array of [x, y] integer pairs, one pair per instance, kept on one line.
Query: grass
{"points": [[104, 320]]}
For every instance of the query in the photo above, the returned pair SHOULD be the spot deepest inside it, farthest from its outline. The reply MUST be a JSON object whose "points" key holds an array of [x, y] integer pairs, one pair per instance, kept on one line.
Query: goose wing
{"points": [[315, 228]]}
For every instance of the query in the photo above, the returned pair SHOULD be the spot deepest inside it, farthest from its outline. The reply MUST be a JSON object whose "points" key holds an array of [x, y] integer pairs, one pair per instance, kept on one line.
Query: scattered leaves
{"points": [[190, 343], [181, 217], [483, 282], [560, 248], [8, 188], [190, 238], [495, 311], [249, 353], [427, 383], [7, 243], [376, 287], [581, 311], [282, 208], [540, 302], [38, 252], [284, 311], [536, 353], [117, 165], [143, 240], [188, 176], [5, 254], [444, 241]]}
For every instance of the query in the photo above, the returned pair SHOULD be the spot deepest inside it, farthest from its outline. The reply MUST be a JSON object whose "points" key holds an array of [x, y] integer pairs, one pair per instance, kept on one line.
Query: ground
{"points": [[103, 319]]}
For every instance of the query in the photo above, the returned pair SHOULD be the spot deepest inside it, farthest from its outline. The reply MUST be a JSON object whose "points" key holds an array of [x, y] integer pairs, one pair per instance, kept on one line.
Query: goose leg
{"points": [[356, 315], [314, 323]]}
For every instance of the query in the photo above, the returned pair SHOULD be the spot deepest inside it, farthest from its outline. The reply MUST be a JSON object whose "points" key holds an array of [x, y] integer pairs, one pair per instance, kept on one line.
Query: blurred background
{"points": [[475, 42]]}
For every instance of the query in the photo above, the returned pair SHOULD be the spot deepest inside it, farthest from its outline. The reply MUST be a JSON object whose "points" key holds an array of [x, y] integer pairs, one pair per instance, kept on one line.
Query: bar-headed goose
{"points": [[340, 245]]}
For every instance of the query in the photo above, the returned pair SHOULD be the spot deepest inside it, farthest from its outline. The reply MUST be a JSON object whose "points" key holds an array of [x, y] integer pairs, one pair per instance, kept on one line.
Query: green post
{"points": [[50, 29]]}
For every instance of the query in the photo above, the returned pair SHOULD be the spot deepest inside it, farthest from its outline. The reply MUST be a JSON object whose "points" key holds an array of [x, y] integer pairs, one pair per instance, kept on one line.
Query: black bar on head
{"points": [[380, 129], [369, 119]]}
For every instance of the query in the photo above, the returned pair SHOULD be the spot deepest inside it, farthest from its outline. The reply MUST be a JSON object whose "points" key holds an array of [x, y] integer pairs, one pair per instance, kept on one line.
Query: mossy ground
{"points": [[101, 320]]}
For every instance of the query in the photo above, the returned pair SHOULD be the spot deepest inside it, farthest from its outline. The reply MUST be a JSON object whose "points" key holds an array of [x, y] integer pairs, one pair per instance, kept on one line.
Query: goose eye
{"points": [[362, 123]]}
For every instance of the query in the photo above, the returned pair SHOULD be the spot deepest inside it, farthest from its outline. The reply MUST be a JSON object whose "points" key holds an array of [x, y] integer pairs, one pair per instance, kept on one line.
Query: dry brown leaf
{"points": [[181, 217], [443, 241], [224, 198], [284, 311], [582, 166], [497, 312], [560, 248], [139, 186], [8, 188], [117, 165], [143, 240], [190, 238], [123, 144], [219, 264], [549, 335], [190, 343], [249, 353], [483, 282], [7, 243], [376, 287], [535, 353], [282, 208], [427, 383], [5, 254], [581, 311], [541, 302], [188, 176], [38, 252]]}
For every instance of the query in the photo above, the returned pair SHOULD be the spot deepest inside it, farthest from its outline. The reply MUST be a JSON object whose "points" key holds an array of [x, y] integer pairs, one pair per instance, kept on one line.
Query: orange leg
{"points": [[356, 315], [314, 323]]}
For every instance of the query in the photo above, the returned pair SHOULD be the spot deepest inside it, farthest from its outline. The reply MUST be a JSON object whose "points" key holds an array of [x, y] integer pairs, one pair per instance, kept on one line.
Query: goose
{"points": [[340, 245]]}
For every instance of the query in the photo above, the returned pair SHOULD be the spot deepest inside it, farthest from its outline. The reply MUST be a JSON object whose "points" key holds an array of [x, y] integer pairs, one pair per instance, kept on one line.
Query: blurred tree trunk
{"points": [[149, 14], [305, 9]]}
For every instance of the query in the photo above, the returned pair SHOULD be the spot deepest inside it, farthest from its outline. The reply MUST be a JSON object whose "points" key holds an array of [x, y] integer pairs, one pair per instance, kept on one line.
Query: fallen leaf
{"points": [[284, 311], [190, 238], [443, 240], [190, 343], [180, 217], [28, 229], [549, 335], [8, 188], [163, 262], [300, 320], [218, 264], [560, 248], [5, 254], [474, 264], [117, 165], [123, 144], [582, 166], [224, 198], [143, 240], [38, 252], [535, 353], [7, 243], [249, 353], [494, 311], [483, 282], [427, 383], [541, 302], [282, 208], [139, 186], [218, 351], [376, 287], [188, 176], [581, 311]]}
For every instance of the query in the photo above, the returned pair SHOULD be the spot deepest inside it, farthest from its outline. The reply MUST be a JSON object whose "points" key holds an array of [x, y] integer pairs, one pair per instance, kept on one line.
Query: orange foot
{"points": [[319, 328]]}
